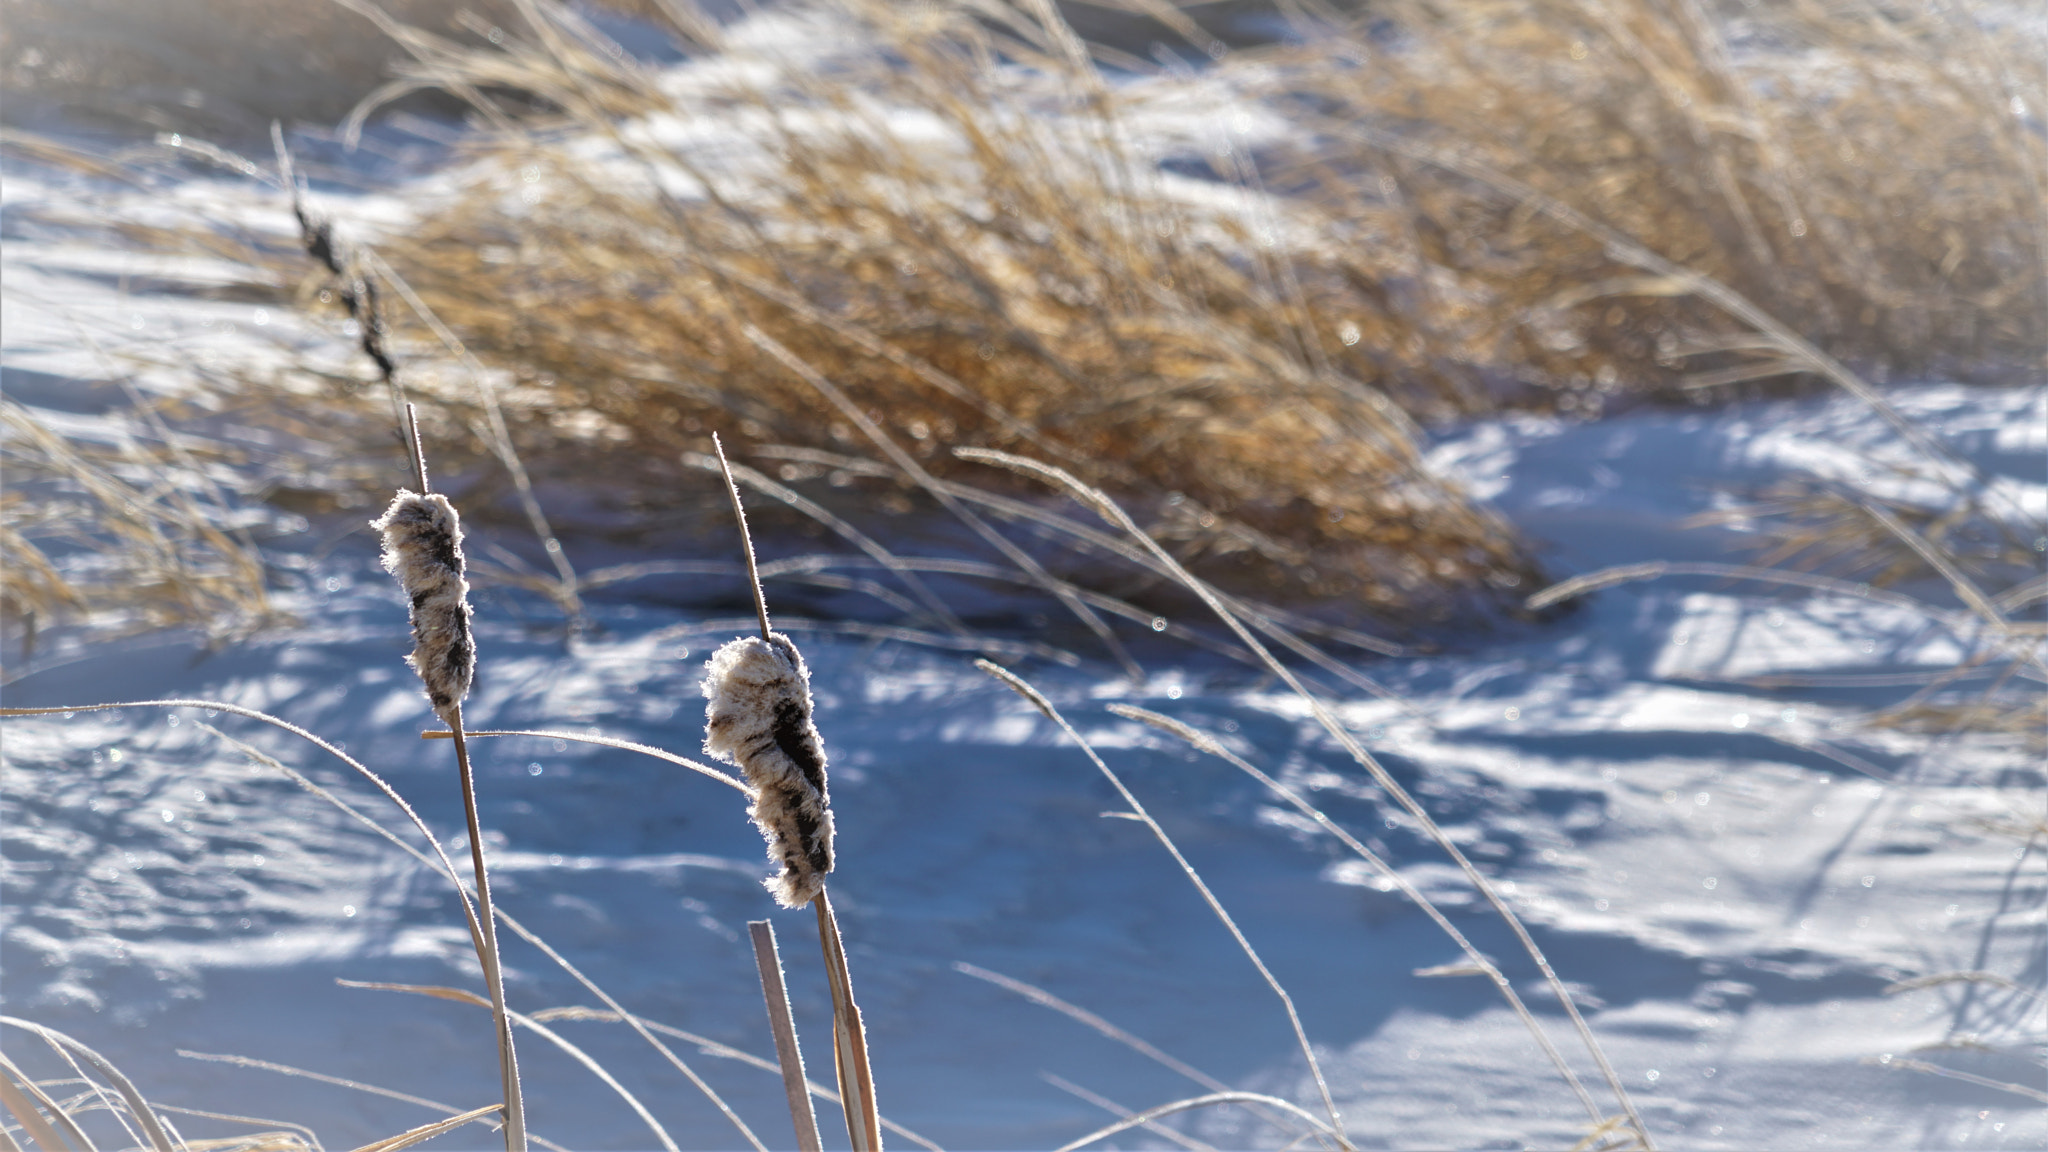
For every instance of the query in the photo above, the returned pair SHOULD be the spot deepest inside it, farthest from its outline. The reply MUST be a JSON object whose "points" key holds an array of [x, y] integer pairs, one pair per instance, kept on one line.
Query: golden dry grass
{"points": [[156, 535], [956, 217], [1869, 175]]}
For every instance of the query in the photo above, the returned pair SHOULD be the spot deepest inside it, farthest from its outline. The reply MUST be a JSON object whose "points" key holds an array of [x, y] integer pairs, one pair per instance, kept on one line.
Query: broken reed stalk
{"points": [[788, 1055], [758, 717], [23, 1109], [422, 537]]}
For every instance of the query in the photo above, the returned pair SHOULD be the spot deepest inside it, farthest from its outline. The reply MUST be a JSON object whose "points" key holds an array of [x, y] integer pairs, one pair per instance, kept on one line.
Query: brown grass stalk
{"points": [[573, 1051], [354, 1086], [425, 1132], [1211, 1100]]}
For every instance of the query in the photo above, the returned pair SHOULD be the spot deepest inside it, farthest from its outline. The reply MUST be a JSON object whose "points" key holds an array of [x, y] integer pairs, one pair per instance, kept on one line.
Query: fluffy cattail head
{"points": [[423, 548], [759, 718]]}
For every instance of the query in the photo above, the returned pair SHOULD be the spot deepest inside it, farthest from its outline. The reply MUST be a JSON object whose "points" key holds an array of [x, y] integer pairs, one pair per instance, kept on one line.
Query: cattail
{"points": [[423, 548], [759, 719]]}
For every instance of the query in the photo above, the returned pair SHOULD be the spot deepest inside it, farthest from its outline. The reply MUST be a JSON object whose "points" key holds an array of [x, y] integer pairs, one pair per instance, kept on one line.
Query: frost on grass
{"points": [[423, 548], [759, 718]]}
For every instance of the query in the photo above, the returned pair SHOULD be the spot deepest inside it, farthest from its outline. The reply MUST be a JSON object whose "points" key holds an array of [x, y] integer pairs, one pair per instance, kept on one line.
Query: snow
{"points": [[1732, 904], [1727, 871]]}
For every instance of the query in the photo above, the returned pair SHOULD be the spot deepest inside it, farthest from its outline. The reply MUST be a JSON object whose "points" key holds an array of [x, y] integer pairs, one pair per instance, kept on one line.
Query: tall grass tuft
{"points": [[1230, 296], [123, 537], [988, 232], [964, 253], [1867, 174]]}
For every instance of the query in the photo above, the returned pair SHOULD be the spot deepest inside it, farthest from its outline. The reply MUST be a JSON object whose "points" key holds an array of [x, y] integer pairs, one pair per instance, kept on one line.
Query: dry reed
{"points": [[995, 290], [124, 537]]}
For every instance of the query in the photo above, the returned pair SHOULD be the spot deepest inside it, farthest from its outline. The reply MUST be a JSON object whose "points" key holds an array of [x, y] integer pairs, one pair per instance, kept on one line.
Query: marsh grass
{"points": [[1868, 174], [958, 240], [1230, 297], [965, 256], [133, 535], [964, 224]]}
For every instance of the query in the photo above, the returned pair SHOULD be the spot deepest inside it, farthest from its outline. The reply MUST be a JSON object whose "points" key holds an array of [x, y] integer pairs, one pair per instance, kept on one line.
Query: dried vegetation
{"points": [[886, 246], [956, 216], [857, 235]]}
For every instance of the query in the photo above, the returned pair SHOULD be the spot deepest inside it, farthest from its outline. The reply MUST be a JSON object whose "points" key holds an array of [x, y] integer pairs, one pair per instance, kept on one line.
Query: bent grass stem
{"points": [[1023, 688]]}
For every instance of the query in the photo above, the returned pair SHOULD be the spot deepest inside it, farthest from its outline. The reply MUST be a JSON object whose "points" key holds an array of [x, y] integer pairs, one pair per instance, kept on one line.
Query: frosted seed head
{"points": [[758, 718], [423, 549]]}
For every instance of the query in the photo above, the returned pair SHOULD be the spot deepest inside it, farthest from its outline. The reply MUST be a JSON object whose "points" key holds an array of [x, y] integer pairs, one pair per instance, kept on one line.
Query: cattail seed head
{"points": [[759, 719], [423, 548]]}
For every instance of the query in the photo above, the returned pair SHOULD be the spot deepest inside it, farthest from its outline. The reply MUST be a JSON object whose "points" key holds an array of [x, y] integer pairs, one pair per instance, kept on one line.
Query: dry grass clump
{"points": [[1869, 175], [130, 536], [1975, 547], [1225, 296], [952, 214], [974, 254]]}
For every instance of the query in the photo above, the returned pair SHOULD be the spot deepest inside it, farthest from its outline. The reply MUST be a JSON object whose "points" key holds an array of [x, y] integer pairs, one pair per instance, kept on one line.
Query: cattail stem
{"points": [[423, 549], [739, 513], [487, 952], [783, 1026], [849, 1038], [413, 448]]}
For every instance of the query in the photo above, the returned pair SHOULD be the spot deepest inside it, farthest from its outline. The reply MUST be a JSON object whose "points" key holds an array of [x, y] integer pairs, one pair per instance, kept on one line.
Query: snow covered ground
{"points": [[1730, 876], [1732, 904]]}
